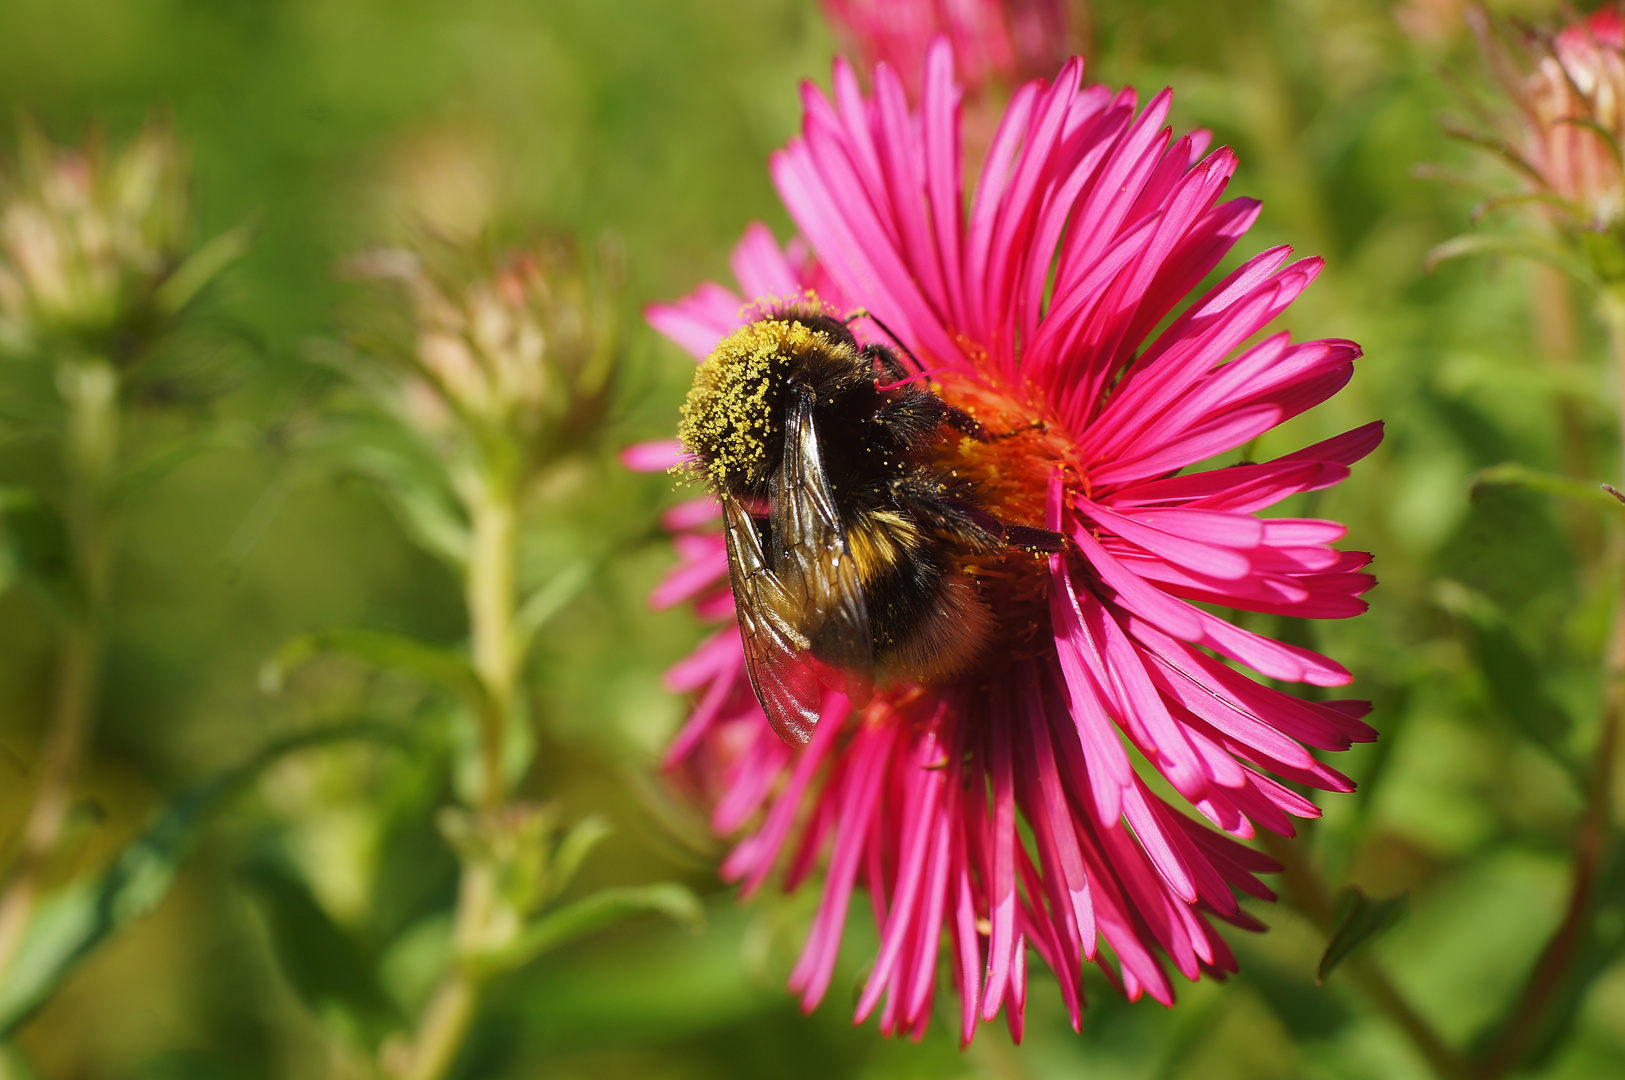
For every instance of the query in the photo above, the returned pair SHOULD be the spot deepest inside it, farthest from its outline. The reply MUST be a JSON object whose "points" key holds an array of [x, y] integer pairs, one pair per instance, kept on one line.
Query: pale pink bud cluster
{"points": [[525, 350], [1575, 104], [86, 238], [1565, 136]]}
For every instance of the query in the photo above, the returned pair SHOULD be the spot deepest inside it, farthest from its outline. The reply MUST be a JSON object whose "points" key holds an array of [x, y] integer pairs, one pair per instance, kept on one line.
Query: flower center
{"points": [[1010, 472]]}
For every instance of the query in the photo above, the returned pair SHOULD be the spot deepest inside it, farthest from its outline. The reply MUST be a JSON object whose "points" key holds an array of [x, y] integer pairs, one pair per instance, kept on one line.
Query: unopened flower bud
{"points": [[523, 350], [1565, 132], [1576, 96], [88, 241]]}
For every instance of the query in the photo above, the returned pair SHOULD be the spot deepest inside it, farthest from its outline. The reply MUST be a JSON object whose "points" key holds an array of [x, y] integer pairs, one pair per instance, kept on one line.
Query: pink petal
{"points": [[656, 456]]}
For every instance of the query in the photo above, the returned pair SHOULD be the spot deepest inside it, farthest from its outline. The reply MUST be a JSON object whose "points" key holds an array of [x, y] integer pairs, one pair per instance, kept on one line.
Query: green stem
{"points": [[1308, 893], [89, 391], [446, 1018], [492, 598], [1551, 309], [1611, 308], [1531, 1010]]}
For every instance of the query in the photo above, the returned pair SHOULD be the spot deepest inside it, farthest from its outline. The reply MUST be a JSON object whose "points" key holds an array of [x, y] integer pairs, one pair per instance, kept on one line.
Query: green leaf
{"points": [[573, 850], [1522, 247], [35, 543], [1525, 198], [1498, 146], [595, 912], [1604, 254], [433, 664], [1600, 945], [411, 964], [549, 600], [419, 502], [202, 267], [1514, 679], [1360, 919], [1512, 474], [73, 922], [436, 528], [1444, 174], [409, 470], [171, 457], [13, 1066], [1307, 1012], [323, 962]]}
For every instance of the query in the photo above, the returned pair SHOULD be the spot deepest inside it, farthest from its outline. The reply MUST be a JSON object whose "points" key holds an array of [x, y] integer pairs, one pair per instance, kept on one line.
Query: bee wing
{"points": [[776, 653], [812, 558]]}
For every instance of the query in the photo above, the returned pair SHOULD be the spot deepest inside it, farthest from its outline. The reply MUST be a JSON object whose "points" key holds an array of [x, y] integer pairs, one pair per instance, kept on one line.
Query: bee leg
{"points": [[969, 524], [1034, 541], [891, 367], [1027, 538], [930, 503], [912, 416], [965, 423]]}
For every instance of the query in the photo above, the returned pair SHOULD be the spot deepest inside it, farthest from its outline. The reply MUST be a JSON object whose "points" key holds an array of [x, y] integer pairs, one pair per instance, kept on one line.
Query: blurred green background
{"points": [[650, 121]]}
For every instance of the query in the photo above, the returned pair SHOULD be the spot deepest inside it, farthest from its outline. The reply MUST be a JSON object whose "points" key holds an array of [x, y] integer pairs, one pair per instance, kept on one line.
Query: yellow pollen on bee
{"points": [[727, 420]]}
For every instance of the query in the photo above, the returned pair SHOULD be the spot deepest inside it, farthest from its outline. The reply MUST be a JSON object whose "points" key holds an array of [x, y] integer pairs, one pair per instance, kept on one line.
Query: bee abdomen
{"points": [[944, 638]]}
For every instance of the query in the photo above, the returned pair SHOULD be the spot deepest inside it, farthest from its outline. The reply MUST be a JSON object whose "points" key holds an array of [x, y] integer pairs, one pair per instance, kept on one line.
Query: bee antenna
{"points": [[865, 313]]}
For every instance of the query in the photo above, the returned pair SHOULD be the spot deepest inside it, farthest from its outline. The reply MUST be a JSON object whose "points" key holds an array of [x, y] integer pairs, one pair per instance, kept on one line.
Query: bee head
{"points": [[733, 420]]}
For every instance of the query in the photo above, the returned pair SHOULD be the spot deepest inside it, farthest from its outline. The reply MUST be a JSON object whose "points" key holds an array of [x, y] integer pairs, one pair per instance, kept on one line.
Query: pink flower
{"points": [[1089, 226], [1004, 40]]}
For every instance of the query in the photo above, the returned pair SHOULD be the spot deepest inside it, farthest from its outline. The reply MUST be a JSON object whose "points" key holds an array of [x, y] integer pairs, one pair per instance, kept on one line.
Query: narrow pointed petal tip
{"points": [[1009, 806], [658, 455]]}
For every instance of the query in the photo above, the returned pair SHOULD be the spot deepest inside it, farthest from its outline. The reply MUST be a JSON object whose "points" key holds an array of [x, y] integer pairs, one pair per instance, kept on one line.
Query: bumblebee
{"points": [[846, 542]]}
